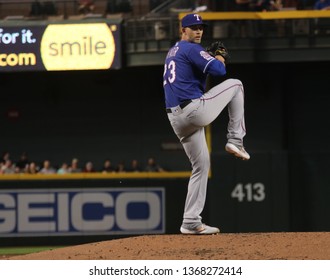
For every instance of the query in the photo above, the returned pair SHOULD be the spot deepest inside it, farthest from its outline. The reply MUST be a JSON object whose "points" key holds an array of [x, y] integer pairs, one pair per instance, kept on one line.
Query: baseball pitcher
{"points": [[190, 109]]}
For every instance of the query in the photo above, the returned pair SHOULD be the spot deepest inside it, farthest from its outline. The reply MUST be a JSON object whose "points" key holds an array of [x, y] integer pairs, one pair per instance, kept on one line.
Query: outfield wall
{"points": [[251, 196]]}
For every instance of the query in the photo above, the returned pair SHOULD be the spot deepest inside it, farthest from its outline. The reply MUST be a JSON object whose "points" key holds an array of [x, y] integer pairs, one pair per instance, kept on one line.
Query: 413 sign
{"points": [[249, 192]]}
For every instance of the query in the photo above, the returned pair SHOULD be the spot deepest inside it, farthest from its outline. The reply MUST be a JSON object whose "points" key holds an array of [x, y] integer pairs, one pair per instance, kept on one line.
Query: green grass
{"points": [[24, 250]]}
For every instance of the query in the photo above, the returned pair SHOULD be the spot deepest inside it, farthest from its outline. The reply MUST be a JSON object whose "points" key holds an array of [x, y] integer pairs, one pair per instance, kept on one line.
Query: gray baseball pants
{"points": [[188, 124]]}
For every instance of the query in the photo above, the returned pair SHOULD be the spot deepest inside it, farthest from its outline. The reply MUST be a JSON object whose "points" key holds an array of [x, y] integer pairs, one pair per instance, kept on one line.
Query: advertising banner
{"points": [[60, 47], [56, 212]]}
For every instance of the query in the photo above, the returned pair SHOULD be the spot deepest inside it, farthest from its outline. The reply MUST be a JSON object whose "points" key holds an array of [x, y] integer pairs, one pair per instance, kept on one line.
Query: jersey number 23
{"points": [[170, 77]]}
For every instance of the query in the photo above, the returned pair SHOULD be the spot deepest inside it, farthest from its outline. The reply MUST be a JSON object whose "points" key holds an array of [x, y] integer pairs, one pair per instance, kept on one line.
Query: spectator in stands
{"points": [[47, 168], [121, 167], [322, 5], [64, 169], [152, 166], [22, 162], [74, 168], [89, 167], [107, 167], [43, 8], [36, 8], [290, 4], [86, 6], [50, 8], [31, 168], [8, 167], [267, 5], [5, 156], [305, 4], [135, 166]]}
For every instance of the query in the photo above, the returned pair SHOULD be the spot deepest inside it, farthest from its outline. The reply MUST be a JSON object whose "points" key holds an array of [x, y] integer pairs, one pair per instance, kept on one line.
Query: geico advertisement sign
{"points": [[77, 47], [81, 212], [58, 47]]}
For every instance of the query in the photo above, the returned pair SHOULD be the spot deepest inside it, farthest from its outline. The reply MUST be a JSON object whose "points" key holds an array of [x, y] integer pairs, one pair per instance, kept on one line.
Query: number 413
{"points": [[249, 192]]}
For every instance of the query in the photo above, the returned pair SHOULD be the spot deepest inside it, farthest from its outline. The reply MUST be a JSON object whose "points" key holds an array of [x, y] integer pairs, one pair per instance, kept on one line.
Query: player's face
{"points": [[193, 33]]}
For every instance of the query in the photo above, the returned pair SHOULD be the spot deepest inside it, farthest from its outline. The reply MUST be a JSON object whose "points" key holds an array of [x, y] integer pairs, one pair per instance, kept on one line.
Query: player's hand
{"points": [[221, 59], [218, 49]]}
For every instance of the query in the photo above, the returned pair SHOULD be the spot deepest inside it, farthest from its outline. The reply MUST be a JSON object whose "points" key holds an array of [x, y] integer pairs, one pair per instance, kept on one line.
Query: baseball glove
{"points": [[218, 48]]}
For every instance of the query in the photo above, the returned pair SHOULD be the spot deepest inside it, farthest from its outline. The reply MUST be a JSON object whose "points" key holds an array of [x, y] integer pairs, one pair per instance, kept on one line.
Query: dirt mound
{"points": [[227, 246]]}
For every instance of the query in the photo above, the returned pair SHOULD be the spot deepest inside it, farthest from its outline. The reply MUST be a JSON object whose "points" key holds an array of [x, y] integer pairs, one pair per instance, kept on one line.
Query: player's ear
{"points": [[183, 29]]}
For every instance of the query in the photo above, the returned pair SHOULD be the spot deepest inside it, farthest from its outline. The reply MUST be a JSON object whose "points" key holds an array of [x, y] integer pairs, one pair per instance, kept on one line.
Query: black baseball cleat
{"points": [[237, 151]]}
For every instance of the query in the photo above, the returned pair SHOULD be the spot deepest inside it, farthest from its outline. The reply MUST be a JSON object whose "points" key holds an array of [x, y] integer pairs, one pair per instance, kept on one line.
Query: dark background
{"points": [[119, 114]]}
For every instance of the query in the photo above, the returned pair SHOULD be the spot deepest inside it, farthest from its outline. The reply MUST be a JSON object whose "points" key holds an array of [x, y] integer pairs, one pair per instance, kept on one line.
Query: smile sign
{"points": [[60, 47], [78, 47]]}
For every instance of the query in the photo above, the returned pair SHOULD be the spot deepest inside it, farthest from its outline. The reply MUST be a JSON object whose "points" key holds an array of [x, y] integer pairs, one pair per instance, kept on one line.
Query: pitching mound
{"points": [[225, 246]]}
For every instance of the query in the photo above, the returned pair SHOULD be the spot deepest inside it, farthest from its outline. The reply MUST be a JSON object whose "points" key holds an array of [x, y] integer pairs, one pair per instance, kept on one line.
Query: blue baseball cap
{"points": [[192, 19]]}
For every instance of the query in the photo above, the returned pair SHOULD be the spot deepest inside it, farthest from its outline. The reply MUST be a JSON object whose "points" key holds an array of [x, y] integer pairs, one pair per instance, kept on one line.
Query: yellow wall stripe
{"points": [[97, 175], [262, 15]]}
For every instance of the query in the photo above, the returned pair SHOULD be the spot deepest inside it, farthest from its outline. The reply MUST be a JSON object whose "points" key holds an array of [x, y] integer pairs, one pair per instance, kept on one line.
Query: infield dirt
{"points": [[223, 246]]}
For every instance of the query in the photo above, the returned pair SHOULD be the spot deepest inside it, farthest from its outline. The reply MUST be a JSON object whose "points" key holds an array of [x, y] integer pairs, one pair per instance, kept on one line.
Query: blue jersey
{"points": [[186, 68], [320, 5]]}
